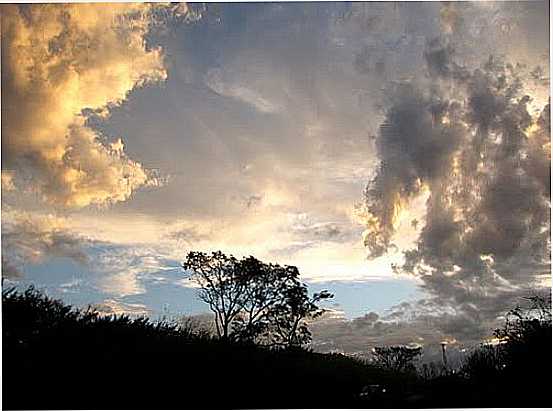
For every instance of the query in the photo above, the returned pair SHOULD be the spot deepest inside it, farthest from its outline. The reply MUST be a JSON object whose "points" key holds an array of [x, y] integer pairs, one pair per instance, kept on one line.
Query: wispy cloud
{"points": [[240, 92], [30, 238], [114, 307]]}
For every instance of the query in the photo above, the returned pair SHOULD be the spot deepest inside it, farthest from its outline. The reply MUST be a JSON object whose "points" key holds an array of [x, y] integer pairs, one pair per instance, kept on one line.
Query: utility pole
{"points": [[444, 355]]}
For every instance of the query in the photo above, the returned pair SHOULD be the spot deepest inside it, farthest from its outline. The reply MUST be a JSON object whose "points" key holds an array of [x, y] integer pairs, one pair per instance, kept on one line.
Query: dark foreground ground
{"points": [[57, 358]]}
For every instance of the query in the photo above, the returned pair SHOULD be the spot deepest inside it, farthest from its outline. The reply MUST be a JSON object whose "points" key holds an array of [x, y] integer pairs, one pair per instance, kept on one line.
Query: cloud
{"points": [[33, 238], [9, 270], [256, 135], [115, 269], [190, 234], [243, 162], [71, 286], [121, 283], [425, 322], [239, 91], [360, 335], [415, 149], [7, 181], [124, 270], [114, 307], [466, 135], [340, 232], [419, 323], [60, 62]]}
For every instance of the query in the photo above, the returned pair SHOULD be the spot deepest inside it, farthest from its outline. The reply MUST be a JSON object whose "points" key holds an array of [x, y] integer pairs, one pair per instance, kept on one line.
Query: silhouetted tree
{"points": [[287, 320], [265, 292], [523, 347], [431, 370], [254, 301], [526, 336], [522, 324], [397, 358], [484, 363], [218, 277]]}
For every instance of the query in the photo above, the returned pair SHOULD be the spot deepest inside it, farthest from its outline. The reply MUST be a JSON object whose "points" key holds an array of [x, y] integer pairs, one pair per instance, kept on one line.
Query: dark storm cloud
{"points": [[467, 136], [438, 58], [415, 148]]}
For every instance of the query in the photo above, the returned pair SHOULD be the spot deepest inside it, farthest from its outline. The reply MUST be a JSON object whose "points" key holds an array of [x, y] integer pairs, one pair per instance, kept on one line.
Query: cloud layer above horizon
{"points": [[360, 142]]}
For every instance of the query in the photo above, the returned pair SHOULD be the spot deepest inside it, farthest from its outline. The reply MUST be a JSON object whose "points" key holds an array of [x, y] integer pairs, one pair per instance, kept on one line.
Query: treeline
{"points": [[57, 357], [512, 370]]}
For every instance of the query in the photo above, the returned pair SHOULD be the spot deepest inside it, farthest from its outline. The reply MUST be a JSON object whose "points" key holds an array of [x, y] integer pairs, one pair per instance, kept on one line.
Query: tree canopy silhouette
{"points": [[398, 358], [523, 343], [255, 301]]}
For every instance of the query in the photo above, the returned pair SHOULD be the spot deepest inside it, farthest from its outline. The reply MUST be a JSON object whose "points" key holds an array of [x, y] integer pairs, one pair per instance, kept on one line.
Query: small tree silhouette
{"points": [[254, 301], [397, 358]]}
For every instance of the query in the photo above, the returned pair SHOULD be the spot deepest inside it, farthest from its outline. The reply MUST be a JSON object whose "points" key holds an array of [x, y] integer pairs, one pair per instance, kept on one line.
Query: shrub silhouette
{"points": [[521, 358], [484, 363], [526, 335], [57, 357]]}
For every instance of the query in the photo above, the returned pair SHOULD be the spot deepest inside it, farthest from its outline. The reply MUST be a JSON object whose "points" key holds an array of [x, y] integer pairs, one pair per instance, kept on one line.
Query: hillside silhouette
{"points": [[58, 357]]}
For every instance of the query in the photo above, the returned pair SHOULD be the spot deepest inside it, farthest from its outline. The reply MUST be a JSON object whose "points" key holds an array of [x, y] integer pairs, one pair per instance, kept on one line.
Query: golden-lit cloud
{"points": [[57, 62], [7, 181], [122, 284]]}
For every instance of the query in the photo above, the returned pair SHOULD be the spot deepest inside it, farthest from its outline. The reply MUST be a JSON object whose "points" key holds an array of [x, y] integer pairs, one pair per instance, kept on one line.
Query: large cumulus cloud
{"points": [[59, 64], [470, 137]]}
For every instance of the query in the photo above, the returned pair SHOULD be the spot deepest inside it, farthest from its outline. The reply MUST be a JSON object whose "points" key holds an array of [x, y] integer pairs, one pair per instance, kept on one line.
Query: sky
{"points": [[397, 153]]}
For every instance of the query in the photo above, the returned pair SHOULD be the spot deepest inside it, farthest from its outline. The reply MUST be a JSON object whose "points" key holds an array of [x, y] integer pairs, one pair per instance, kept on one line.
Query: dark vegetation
{"points": [[519, 366], [255, 302], [400, 359], [57, 357]]}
